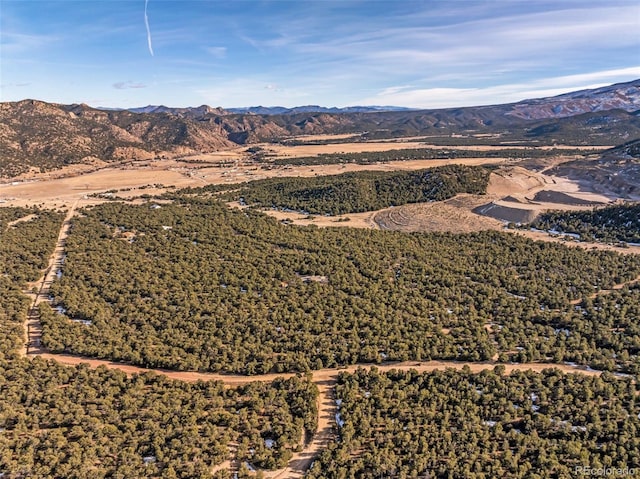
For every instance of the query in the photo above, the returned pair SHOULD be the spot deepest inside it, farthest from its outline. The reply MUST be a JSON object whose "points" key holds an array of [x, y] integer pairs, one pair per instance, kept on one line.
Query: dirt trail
{"points": [[300, 463], [616, 287], [319, 376], [33, 330], [21, 220], [545, 236]]}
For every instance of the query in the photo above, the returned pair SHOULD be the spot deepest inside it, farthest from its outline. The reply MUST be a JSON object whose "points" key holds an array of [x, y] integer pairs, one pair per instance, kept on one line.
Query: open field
{"points": [[152, 176], [353, 220]]}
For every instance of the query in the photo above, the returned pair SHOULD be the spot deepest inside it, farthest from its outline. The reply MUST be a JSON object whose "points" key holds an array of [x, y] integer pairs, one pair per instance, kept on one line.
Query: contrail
{"points": [[146, 22]]}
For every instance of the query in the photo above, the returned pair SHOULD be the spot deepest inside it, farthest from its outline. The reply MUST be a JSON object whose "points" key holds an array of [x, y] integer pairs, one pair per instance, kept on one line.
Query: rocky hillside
{"points": [[47, 136], [615, 171], [630, 150], [189, 112], [623, 96]]}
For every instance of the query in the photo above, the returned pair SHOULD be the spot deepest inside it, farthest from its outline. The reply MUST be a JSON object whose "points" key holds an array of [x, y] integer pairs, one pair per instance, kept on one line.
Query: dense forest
{"points": [[58, 421], [26, 241], [356, 192], [199, 286], [610, 224], [196, 285], [27, 237], [455, 424]]}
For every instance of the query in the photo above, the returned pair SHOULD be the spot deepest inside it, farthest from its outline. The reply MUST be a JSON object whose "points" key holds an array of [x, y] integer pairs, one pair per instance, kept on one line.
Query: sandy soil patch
{"points": [[65, 190], [513, 181], [523, 183], [284, 151], [523, 194]]}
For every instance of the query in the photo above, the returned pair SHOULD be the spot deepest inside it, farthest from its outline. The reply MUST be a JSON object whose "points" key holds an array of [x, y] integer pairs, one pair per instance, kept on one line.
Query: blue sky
{"points": [[423, 54]]}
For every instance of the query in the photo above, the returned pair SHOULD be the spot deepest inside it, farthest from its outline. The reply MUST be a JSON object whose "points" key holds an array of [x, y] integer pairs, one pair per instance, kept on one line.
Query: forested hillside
{"points": [[361, 191], [610, 224], [458, 424], [198, 286], [78, 423]]}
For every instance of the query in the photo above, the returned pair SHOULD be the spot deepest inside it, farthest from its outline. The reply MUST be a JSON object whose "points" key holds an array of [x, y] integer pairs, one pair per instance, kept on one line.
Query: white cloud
{"points": [[504, 93], [543, 39], [20, 43], [217, 52], [126, 85]]}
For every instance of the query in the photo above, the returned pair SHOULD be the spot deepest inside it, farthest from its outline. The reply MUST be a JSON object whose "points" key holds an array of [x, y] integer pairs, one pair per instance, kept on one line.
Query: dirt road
{"points": [[33, 329], [325, 379]]}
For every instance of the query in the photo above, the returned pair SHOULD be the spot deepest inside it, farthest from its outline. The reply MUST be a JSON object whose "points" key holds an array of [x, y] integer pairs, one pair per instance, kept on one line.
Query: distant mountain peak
{"points": [[624, 96], [281, 110], [187, 112]]}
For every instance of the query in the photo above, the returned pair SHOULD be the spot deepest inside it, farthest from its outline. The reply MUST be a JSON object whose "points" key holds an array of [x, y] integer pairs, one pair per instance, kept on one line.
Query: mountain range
{"points": [[625, 96], [262, 110], [45, 136]]}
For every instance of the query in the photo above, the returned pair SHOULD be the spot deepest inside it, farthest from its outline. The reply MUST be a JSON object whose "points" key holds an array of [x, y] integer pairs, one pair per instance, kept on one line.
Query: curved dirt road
{"points": [[325, 379]]}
